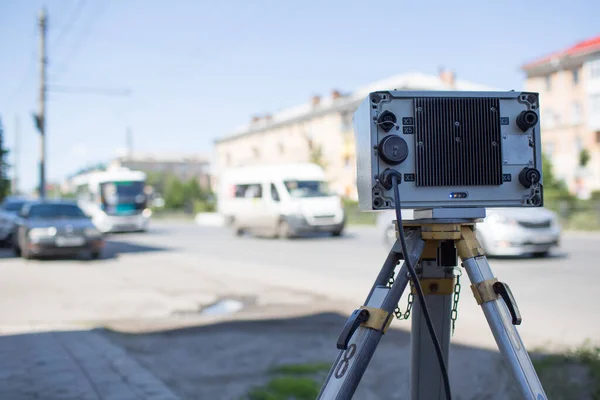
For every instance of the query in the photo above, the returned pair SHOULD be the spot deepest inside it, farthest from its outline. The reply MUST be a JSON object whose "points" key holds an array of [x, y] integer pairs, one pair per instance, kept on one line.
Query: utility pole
{"points": [[41, 116], [15, 182]]}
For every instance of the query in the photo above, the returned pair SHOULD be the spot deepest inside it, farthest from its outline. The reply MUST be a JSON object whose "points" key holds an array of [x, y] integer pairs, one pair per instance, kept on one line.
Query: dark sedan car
{"points": [[55, 228]]}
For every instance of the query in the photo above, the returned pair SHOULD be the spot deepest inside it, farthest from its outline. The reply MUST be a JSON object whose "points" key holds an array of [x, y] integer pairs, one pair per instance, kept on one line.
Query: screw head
{"points": [[420, 144], [530, 161], [494, 143], [456, 123], [433, 287], [419, 108], [504, 136], [505, 162], [493, 109]]}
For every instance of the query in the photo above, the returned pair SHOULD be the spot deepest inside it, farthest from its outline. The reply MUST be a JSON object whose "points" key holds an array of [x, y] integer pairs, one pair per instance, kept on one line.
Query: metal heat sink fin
{"points": [[457, 141]]}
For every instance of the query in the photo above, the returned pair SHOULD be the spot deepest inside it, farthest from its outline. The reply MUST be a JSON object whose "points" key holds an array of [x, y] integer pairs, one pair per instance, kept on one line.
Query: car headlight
{"points": [[147, 213], [38, 233], [92, 232]]}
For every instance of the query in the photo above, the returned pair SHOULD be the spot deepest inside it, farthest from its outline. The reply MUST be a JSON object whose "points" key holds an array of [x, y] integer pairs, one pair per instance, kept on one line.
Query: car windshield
{"points": [[307, 188], [13, 206], [55, 211]]}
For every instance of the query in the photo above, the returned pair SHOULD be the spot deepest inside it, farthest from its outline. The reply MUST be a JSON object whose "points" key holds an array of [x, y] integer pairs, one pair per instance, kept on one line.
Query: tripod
{"points": [[434, 238]]}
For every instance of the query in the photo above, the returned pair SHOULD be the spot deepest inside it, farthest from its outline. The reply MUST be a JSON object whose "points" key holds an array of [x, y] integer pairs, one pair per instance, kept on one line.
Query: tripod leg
{"points": [[366, 326], [502, 315], [438, 285]]}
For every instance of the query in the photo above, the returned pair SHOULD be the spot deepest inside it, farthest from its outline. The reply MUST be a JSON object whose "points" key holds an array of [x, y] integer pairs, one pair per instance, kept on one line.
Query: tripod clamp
{"points": [[369, 317]]}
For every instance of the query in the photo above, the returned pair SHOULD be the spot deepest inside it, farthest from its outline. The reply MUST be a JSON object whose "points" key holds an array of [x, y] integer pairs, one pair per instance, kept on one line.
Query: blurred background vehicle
{"points": [[115, 199], [280, 201], [52, 228], [504, 232], [9, 208]]}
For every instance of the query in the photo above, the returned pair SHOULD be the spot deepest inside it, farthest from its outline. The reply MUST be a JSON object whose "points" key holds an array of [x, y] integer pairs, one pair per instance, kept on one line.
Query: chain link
{"points": [[406, 314], [455, 297], [398, 312]]}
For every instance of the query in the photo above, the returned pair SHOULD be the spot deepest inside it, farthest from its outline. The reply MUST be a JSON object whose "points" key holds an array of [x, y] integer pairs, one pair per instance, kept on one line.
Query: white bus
{"points": [[115, 199]]}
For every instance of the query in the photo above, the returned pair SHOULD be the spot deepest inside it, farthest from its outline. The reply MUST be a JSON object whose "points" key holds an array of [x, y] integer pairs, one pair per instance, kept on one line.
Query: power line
{"points": [[70, 22], [81, 39], [122, 92]]}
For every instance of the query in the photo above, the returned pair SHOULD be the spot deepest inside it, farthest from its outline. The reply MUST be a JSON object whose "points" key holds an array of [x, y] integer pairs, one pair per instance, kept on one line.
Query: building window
{"points": [[346, 121], [575, 76], [578, 144], [597, 136], [347, 161], [281, 148], [256, 152], [576, 113], [594, 69], [548, 83], [594, 105]]}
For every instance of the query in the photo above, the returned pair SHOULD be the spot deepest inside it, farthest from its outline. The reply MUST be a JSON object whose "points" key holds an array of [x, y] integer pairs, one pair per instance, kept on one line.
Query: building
{"points": [[183, 166], [569, 85], [319, 130]]}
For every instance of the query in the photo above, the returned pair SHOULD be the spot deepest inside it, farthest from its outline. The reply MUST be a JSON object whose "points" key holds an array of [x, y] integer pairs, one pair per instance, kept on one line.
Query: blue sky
{"points": [[198, 69]]}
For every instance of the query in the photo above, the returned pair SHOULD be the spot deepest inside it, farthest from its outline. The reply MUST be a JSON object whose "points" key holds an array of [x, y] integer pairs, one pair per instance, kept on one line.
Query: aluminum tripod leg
{"points": [[500, 320], [357, 342]]}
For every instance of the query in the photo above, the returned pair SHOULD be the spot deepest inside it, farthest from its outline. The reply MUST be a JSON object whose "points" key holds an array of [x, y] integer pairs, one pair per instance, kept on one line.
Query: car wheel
{"points": [[283, 230], [25, 253], [541, 254], [337, 233]]}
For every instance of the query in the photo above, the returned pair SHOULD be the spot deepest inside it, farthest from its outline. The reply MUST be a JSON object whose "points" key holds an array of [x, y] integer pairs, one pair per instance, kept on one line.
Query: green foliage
{"points": [[584, 157], [285, 388], [561, 373], [300, 369], [4, 181], [356, 217], [181, 195], [290, 385]]}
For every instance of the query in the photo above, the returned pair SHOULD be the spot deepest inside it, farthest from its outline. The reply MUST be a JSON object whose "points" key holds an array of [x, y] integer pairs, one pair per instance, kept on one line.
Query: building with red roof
{"points": [[568, 81]]}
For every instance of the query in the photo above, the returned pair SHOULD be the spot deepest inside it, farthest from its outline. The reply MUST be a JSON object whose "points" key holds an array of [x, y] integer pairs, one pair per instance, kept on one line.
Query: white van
{"points": [[279, 200]]}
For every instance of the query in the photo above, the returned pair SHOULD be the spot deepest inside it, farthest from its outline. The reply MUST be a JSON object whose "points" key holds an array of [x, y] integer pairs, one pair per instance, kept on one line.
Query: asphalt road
{"points": [[177, 267]]}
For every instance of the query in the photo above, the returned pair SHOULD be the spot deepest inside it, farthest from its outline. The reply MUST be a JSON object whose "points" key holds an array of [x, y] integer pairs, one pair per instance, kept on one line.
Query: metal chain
{"points": [[456, 296], [398, 312]]}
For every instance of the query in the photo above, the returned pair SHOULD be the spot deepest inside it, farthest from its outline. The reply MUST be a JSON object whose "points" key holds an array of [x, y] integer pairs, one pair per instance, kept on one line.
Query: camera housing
{"points": [[451, 149]]}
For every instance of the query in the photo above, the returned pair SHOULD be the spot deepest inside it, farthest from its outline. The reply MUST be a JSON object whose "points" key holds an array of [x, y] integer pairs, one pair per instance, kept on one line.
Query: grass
{"points": [[573, 374], [292, 382]]}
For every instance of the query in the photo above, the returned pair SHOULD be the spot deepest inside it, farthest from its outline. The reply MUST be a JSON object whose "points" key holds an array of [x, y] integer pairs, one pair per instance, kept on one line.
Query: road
{"points": [[179, 267]]}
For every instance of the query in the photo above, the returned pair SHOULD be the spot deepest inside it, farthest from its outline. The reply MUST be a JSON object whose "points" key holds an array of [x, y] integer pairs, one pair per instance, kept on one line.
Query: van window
{"points": [[250, 191], [274, 194], [307, 188]]}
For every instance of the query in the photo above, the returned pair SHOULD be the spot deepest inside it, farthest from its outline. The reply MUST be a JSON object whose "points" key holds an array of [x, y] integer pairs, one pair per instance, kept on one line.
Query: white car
{"points": [[504, 231], [8, 214]]}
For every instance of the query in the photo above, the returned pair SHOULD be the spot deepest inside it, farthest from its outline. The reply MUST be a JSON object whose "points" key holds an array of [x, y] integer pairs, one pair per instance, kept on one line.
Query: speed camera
{"points": [[449, 149]]}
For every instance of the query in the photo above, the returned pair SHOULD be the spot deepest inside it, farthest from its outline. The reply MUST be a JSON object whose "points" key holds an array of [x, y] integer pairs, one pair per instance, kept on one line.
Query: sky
{"points": [[182, 73]]}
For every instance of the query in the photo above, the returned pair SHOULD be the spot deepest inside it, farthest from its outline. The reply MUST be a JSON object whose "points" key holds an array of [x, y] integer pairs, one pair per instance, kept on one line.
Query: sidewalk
{"points": [[78, 365]]}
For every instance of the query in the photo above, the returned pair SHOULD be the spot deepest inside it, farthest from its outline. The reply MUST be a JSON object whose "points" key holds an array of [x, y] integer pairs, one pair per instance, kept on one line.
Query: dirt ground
{"points": [[225, 360]]}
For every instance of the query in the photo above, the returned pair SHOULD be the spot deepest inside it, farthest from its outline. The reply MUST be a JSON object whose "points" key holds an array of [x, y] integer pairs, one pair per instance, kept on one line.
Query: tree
{"points": [[584, 157], [4, 181]]}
